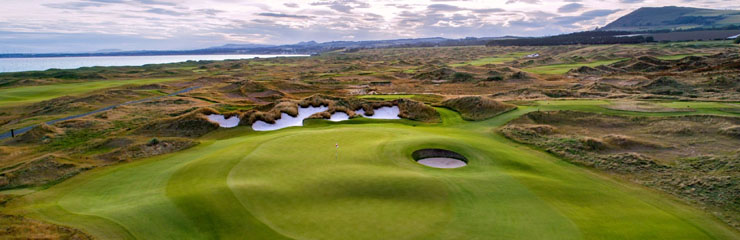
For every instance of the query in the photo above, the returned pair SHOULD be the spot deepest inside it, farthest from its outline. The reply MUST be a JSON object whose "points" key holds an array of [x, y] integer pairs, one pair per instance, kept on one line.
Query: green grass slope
{"points": [[293, 183], [659, 18]]}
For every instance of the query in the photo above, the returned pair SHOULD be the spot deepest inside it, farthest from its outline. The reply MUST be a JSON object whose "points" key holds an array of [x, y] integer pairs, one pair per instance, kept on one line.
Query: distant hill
{"points": [[248, 45], [674, 18], [310, 47]]}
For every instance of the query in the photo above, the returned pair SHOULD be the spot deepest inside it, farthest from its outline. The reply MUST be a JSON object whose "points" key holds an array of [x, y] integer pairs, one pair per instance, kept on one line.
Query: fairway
{"points": [[295, 184], [29, 94]]}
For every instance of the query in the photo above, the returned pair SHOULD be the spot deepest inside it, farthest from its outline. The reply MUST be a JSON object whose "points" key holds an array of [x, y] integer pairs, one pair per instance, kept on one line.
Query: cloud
{"points": [[586, 16], [569, 8], [166, 12], [282, 15], [344, 6], [523, 1], [171, 24], [444, 8], [73, 5]]}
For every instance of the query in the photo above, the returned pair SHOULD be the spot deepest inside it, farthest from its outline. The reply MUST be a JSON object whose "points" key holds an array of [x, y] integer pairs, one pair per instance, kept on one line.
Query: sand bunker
{"points": [[440, 158], [289, 121], [223, 122], [382, 113], [339, 116]]}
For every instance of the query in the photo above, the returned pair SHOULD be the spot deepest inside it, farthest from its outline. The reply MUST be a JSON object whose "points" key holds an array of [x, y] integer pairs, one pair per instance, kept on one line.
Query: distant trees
{"points": [[737, 40], [590, 37]]}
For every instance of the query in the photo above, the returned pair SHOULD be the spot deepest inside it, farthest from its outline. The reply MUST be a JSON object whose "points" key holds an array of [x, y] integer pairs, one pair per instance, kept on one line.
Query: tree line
{"points": [[589, 37]]}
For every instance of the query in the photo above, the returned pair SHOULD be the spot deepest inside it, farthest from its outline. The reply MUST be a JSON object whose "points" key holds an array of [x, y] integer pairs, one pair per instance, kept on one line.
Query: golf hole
{"points": [[439, 158]]}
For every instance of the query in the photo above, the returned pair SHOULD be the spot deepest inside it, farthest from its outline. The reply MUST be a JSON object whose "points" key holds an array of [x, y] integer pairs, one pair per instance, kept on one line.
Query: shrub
{"points": [[462, 77], [153, 142]]}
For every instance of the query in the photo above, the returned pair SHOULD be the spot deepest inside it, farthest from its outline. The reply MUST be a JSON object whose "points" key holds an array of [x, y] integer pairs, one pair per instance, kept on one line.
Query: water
{"points": [[288, 121], [223, 122], [382, 113], [40, 64]]}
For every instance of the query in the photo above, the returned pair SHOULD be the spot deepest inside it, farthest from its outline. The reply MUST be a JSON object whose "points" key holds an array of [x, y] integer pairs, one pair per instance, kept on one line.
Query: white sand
{"points": [[382, 113], [339, 116], [287, 121], [231, 122], [442, 162]]}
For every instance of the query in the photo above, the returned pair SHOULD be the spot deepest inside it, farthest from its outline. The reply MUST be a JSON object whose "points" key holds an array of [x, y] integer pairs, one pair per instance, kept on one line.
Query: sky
{"points": [[36, 26]]}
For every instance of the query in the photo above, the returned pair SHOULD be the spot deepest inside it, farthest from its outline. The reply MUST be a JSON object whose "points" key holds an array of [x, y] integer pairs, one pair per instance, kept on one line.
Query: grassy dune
{"points": [[564, 68], [241, 184], [29, 94], [494, 60]]}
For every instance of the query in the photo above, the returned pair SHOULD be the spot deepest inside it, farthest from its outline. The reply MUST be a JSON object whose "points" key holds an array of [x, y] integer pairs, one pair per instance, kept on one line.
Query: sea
{"points": [[44, 63]]}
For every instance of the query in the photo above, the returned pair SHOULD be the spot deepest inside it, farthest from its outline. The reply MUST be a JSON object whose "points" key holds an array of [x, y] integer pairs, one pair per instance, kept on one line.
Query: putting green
{"points": [[292, 184]]}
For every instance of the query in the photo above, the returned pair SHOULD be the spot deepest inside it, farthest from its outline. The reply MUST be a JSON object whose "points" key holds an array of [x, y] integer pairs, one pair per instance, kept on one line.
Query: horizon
{"points": [[74, 26]]}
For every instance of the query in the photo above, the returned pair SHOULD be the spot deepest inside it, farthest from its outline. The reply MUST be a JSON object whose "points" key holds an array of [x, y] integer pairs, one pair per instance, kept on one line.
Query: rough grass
{"points": [[494, 60], [692, 157], [20, 227], [564, 68], [476, 108], [644, 107], [293, 183], [29, 94], [426, 98]]}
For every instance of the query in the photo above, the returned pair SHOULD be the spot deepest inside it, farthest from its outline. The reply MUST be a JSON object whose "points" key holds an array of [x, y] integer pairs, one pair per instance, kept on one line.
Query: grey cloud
{"points": [[282, 15], [73, 5], [444, 8], [569, 8], [163, 11], [344, 6], [524, 1], [586, 16], [155, 2]]}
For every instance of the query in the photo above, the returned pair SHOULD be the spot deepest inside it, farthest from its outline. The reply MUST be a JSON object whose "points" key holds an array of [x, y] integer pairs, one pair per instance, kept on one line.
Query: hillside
{"points": [[648, 18]]}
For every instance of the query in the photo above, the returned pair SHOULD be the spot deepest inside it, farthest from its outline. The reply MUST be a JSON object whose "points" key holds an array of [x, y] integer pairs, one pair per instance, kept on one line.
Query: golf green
{"points": [[295, 184]]}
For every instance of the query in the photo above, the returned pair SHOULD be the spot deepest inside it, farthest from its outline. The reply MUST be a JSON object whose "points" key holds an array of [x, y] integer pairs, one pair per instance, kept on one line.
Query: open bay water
{"points": [[44, 63]]}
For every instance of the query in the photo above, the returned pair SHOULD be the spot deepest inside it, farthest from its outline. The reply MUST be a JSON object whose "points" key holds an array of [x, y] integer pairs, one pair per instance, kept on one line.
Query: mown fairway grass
{"points": [[29, 94], [289, 183]]}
